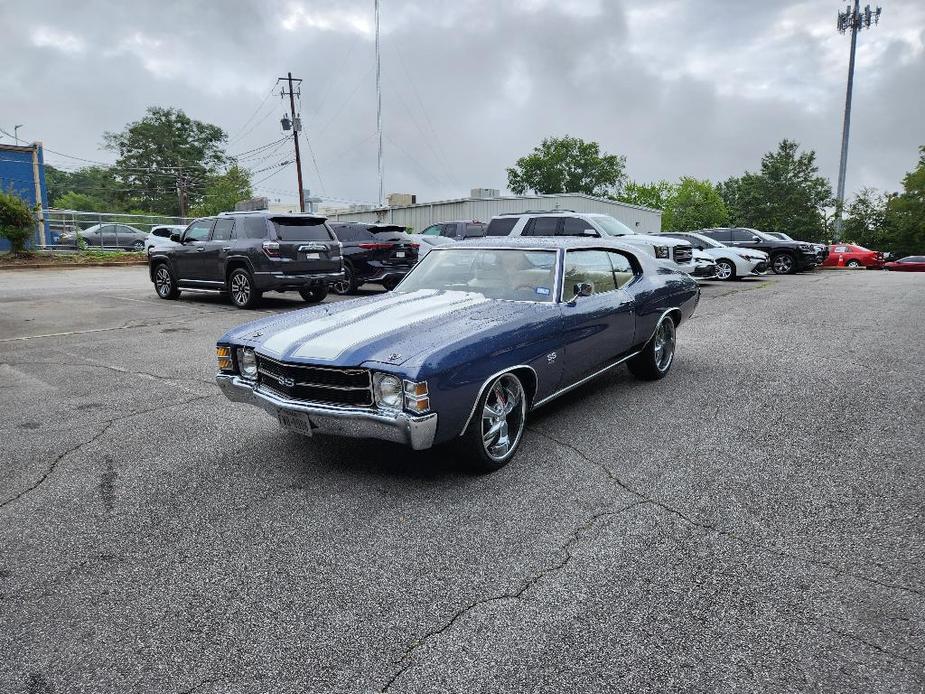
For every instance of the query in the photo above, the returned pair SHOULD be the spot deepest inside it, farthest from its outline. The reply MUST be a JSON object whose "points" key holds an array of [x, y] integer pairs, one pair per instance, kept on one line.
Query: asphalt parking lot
{"points": [[754, 522]]}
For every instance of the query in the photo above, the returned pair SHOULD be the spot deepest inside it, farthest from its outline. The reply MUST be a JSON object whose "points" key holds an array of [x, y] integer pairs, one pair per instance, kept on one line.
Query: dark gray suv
{"points": [[245, 254]]}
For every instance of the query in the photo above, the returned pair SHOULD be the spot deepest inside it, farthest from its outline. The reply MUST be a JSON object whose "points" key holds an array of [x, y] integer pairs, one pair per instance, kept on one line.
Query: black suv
{"points": [[787, 257], [247, 253], [374, 253]]}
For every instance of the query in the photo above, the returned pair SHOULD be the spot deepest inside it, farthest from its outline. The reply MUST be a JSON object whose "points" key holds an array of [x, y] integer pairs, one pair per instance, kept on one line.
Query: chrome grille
{"points": [[683, 254], [321, 384]]}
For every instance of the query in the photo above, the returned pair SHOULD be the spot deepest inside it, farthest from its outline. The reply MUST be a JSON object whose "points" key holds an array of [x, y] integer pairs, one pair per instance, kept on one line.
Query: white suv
{"points": [[674, 253]]}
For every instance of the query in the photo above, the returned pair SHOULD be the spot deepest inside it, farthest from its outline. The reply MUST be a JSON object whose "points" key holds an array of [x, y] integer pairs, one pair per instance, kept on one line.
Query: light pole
{"points": [[16, 133], [855, 20]]}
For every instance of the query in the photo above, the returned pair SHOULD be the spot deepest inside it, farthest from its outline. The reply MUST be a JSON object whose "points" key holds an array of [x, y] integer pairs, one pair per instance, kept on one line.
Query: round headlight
{"points": [[247, 362], [388, 391]]}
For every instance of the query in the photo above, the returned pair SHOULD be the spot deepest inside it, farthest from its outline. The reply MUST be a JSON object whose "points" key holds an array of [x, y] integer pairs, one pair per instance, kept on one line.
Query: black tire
{"points": [[653, 362], [348, 285], [725, 269], [165, 284], [488, 437], [241, 288], [783, 264], [314, 294]]}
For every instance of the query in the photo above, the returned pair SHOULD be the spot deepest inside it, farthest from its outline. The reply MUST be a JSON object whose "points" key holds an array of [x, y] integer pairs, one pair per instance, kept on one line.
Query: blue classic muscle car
{"points": [[476, 336]]}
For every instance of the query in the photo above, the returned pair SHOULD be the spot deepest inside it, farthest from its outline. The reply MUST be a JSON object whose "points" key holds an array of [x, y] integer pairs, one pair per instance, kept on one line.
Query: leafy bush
{"points": [[16, 221]]}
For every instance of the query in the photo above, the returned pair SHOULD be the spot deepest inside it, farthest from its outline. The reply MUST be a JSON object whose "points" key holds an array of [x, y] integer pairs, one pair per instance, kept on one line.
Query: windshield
{"points": [[784, 237], [761, 235], [508, 274], [611, 226]]}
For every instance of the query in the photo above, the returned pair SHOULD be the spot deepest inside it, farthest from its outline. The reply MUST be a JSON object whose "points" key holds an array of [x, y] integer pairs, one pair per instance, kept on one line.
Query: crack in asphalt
{"points": [[574, 537], [877, 647], [724, 531], [108, 367], [108, 425]]}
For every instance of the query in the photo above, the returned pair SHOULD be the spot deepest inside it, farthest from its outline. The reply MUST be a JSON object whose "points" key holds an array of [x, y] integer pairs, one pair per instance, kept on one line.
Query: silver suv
{"points": [[674, 253]]}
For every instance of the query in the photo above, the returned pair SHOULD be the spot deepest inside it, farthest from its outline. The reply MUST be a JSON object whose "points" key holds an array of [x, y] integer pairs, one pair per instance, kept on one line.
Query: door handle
{"points": [[200, 249], [226, 248]]}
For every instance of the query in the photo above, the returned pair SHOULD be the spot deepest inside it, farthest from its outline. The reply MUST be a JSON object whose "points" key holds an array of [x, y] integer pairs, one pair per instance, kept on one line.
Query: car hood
{"points": [[654, 240], [391, 328]]}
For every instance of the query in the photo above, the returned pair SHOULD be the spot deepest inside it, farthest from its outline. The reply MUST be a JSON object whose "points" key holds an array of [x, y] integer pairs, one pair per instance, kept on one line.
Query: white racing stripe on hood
{"points": [[334, 343], [285, 339]]}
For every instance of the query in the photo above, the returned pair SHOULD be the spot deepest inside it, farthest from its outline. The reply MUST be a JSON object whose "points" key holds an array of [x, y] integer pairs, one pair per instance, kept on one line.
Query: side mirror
{"points": [[583, 289], [176, 237], [755, 238]]}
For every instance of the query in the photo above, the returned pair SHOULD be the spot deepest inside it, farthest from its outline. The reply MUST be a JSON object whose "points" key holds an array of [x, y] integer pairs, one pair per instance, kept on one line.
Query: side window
{"points": [[222, 229], [475, 230], [742, 235], [250, 228], [198, 230], [101, 230], [840, 249], [593, 267], [448, 230], [721, 235], [541, 226], [501, 226], [623, 270], [576, 227], [432, 230]]}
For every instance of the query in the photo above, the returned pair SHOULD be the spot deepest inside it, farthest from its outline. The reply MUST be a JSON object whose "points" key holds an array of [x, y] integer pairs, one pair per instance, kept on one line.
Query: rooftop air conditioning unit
{"points": [[484, 193]]}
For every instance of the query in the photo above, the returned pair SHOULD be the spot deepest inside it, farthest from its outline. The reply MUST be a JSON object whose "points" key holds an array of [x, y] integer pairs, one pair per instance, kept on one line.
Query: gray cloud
{"points": [[680, 88]]}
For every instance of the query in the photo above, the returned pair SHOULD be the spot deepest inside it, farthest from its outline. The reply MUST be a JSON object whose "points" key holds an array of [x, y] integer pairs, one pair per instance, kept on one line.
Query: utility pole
{"points": [[855, 20], [182, 193], [378, 103], [296, 128]]}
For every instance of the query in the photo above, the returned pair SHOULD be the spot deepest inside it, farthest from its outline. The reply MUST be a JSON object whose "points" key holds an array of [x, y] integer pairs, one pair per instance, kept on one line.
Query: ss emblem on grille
{"points": [[286, 381]]}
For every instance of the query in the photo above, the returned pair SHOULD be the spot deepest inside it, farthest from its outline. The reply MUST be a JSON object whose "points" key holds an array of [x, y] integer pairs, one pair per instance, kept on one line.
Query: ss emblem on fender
{"points": [[551, 357]]}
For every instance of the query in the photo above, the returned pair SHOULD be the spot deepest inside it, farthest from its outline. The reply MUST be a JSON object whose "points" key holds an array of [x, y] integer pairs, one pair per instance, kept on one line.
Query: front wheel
{"points": [[725, 269], [164, 283], [656, 358], [495, 432], [853, 264], [783, 264], [241, 289], [313, 294]]}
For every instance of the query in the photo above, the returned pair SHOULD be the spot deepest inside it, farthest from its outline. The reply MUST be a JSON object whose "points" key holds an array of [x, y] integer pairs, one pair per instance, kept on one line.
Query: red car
{"points": [[848, 255], [911, 263]]}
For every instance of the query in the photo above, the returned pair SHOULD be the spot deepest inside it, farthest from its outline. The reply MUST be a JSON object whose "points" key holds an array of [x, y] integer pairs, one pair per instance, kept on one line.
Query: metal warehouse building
{"points": [[421, 215], [22, 172]]}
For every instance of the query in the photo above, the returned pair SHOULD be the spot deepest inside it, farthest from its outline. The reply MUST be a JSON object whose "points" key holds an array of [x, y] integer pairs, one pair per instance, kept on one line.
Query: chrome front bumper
{"points": [[352, 422]]}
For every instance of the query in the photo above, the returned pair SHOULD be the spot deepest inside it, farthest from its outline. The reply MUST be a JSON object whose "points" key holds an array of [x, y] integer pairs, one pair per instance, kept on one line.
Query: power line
{"points": [[315, 162], [232, 138]]}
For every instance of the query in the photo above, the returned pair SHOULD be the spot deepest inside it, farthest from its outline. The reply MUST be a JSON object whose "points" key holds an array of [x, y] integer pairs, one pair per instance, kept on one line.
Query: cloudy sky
{"points": [[679, 87]]}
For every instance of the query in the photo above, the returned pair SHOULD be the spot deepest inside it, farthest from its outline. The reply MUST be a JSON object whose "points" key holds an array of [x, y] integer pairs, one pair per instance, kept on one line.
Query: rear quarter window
{"points": [[501, 226], [250, 228], [300, 229]]}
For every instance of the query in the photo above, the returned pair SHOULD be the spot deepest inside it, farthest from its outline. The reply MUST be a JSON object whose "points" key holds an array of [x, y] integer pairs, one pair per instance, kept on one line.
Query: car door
{"points": [[186, 256], [743, 238], [211, 263], [599, 328]]}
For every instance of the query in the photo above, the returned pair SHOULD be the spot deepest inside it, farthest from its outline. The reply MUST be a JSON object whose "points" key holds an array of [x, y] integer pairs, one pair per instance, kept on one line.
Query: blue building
{"points": [[22, 172]]}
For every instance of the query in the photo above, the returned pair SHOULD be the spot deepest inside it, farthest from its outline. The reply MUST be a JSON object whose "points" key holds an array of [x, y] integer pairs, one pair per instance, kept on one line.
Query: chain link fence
{"points": [[70, 230]]}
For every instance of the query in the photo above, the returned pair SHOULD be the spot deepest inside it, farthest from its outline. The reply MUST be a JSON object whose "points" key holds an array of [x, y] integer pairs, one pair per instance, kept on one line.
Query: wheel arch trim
{"points": [[488, 381]]}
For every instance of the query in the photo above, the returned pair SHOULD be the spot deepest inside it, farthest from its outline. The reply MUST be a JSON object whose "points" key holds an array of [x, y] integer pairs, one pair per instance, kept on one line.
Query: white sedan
{"points": [[731, 263], [159, 236]]}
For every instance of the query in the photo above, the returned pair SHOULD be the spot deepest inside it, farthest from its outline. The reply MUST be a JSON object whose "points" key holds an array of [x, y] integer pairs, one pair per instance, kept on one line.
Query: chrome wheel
{"points": [[664, 344], [724, 270], [162, 281], [853, 263], [782, 264], [240, 288], [503, 416], [344, 286]]}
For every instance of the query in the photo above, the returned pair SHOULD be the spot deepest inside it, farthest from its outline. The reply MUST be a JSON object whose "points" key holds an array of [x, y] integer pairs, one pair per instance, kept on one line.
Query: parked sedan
{"points": [[383, 257], [853, 256], [731, 263], [704, 266], [159, 236], [911, 263], [477, 335], [108, 236]]}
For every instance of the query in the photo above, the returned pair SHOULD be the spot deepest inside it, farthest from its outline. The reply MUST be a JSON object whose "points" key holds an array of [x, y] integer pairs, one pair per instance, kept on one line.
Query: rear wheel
{"points": [[164, 282], [783, 264], [347, 285], [314, 293], [853, 263], [725, 269], [138, 246], [656, 358], [241, 289], [495, 432]]}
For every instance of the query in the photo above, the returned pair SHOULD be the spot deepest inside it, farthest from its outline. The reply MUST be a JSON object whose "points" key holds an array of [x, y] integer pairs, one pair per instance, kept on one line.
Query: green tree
{"points": [[16, 221], [96, 185], [652, 195], [865, 219], [694, 204], [223, 191], [567, 165], [163, 148], [905, 214], [788, 194], [82, 202]]}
